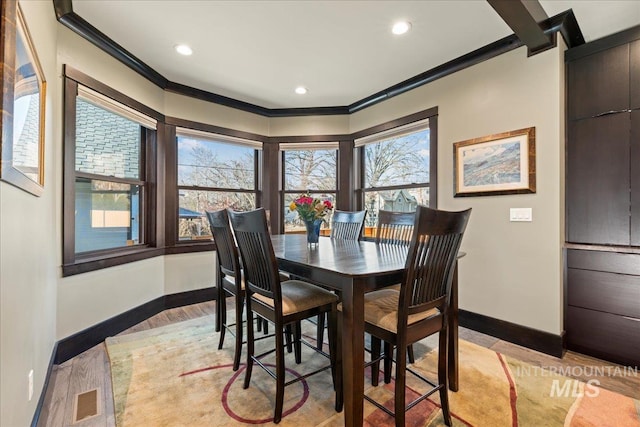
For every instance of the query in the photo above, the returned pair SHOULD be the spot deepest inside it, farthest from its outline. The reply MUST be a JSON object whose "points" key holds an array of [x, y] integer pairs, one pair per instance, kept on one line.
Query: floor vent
{"points": [[86, 405]]}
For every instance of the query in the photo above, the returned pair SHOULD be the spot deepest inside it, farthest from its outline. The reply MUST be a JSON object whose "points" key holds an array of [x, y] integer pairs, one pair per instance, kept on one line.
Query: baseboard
{"points": [[75, 344], [534, 339], [45, 387]]}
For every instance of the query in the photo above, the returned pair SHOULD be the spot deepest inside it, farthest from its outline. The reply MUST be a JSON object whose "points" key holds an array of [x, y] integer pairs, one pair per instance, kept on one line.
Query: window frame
{"points": [[432, 116], [75, 263], [221, 138], [307, 146]]}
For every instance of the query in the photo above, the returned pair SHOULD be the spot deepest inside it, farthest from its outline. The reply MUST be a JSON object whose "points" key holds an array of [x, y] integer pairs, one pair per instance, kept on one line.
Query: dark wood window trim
{"points": [[432, 115], [172, 185], [75, 263], [161, 174]]}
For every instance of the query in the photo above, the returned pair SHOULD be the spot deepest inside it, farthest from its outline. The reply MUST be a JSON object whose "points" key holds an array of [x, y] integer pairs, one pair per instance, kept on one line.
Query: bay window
{"points": [[214, 172], [308, 168], [395, 170], [107, 152]]}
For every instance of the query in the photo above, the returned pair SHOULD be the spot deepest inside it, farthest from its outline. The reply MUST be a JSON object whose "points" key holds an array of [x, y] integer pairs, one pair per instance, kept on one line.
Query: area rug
{"points": [[176, 376]]}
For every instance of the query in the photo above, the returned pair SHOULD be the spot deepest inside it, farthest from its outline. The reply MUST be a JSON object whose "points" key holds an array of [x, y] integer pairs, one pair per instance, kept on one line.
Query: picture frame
{"points": [[23, 104], [499, 164]]}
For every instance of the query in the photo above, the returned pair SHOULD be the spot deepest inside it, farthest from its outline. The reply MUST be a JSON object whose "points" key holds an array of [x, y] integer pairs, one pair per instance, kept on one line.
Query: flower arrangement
{"points": [[310, 208]]}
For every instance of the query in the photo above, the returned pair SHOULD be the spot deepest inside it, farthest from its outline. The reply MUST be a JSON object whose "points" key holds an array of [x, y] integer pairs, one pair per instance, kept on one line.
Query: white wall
{"points": [[513, 271], [28, 245]]}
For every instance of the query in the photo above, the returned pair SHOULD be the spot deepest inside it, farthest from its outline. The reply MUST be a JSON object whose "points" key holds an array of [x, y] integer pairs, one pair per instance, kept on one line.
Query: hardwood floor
{"points": [[90, 370]]}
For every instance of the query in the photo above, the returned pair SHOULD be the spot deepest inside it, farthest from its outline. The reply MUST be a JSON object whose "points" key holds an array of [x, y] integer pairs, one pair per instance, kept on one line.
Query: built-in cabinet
{"points": [[602, 315]]}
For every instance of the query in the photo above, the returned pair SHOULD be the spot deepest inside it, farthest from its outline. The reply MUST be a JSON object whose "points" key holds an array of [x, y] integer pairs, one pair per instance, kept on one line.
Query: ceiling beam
{"points": [[523, 17]]}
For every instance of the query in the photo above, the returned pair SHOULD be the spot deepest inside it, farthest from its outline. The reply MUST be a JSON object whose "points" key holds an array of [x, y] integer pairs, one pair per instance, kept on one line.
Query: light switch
{"points": [[520, 215]]}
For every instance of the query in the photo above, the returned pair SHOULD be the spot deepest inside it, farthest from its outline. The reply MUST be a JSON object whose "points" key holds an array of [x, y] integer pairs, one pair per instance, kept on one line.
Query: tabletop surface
{"points": [[348, 257]]}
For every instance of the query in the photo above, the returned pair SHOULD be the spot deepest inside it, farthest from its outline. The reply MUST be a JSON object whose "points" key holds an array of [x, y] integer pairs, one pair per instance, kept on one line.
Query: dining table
{"points": [[353, 268]]}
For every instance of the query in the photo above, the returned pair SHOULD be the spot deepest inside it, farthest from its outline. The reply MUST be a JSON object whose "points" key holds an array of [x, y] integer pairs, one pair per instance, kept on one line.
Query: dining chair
{"points": [[421, 307], [395, 228], [281, 302], [347, 225], [229, 281]]}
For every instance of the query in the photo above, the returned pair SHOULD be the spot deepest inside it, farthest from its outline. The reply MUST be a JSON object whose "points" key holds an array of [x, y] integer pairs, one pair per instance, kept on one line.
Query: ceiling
{"points": [[342, 51]]}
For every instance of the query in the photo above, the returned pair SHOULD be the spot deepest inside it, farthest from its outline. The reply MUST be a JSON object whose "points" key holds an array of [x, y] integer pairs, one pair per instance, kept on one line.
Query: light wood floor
{"points": [[90, 370]]}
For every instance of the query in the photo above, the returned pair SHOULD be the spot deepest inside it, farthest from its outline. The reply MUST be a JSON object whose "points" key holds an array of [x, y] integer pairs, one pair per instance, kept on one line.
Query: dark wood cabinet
{"points": [[634, 174], [598, 180], [634, 76], [599, 83], [602, 293], [603, 305]]}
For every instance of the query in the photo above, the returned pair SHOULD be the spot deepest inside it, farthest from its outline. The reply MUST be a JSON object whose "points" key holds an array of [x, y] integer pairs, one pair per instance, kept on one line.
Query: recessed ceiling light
{"points": [[301, 90], [183, 49], [401, 27]]}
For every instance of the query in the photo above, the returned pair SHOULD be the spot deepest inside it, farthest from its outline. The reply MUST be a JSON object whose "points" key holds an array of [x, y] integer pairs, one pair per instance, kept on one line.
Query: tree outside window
{"points": [[212, 175], [313, 171], [396, 174]]}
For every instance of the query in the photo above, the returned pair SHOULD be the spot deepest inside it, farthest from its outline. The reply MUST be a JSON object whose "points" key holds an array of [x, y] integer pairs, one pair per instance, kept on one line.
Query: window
{"points": [[214, 172], [109, 171], [395, 170], [309, 168]]}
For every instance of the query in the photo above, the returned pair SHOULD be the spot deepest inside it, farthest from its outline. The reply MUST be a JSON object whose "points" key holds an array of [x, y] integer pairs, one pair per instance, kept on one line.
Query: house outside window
{"points": [[214, 172], [395, 170], [312, 168], [110, 182]]}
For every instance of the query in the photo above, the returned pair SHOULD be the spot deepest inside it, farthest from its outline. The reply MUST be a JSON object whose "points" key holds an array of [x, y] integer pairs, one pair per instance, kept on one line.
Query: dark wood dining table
{"points": [[353, 268]]}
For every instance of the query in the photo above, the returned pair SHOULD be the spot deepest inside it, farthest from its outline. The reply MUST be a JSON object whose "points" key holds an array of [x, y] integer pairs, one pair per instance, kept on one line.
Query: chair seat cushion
{"points": [[299, 296], [381, 309]]}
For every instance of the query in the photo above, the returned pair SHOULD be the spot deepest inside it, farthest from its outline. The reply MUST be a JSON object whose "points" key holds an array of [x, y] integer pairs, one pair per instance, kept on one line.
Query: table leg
{"points": [[453, 333], [353, 354], [219, 296]]}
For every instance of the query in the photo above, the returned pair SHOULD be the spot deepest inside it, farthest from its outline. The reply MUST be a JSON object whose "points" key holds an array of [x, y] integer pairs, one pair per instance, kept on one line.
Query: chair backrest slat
{"points": [[347, 225], [226, 250], [395, 227], [258, 258], [431, 260]]}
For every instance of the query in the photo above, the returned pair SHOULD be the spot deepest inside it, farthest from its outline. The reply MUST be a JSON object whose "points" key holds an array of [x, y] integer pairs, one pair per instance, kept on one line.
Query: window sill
{"points": [[98, 262]]}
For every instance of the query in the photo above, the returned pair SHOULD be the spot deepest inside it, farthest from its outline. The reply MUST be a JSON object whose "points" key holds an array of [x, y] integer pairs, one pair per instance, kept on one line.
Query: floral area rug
{"points": [[176, 376]]}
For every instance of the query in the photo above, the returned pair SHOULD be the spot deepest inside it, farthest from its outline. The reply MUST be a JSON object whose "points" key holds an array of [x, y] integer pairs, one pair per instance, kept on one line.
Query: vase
{"points": [[313, 231]]}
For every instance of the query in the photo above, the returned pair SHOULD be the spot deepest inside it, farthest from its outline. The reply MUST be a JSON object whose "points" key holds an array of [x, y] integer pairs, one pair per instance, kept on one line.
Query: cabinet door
{"points": [[635, 178], [599, 83], [598, 180], [634, 78]]}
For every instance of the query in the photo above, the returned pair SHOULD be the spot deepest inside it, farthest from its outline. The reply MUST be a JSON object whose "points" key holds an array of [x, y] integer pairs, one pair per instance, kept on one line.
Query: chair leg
{"points": [[265, 326], [297, 344], [335, 350], [401, 378], [277, 415], [443, 378], [222, 306], [219, 297], [288, 332], [410, 355], [375, 354], [238, 350], [320, 331], [388, 361], [247, 377]]}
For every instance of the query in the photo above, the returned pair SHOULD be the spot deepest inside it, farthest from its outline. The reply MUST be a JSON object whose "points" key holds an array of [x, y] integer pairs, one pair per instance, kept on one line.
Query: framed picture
{"points": [[23, 104], [496, 164]]}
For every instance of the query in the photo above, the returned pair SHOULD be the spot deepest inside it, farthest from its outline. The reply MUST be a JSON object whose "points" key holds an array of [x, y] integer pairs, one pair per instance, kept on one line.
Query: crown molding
{"points": [[564, 23]]}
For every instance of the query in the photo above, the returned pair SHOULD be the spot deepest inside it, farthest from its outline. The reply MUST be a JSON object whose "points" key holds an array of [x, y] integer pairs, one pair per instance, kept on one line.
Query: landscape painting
{"points": [[496, 164]]}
